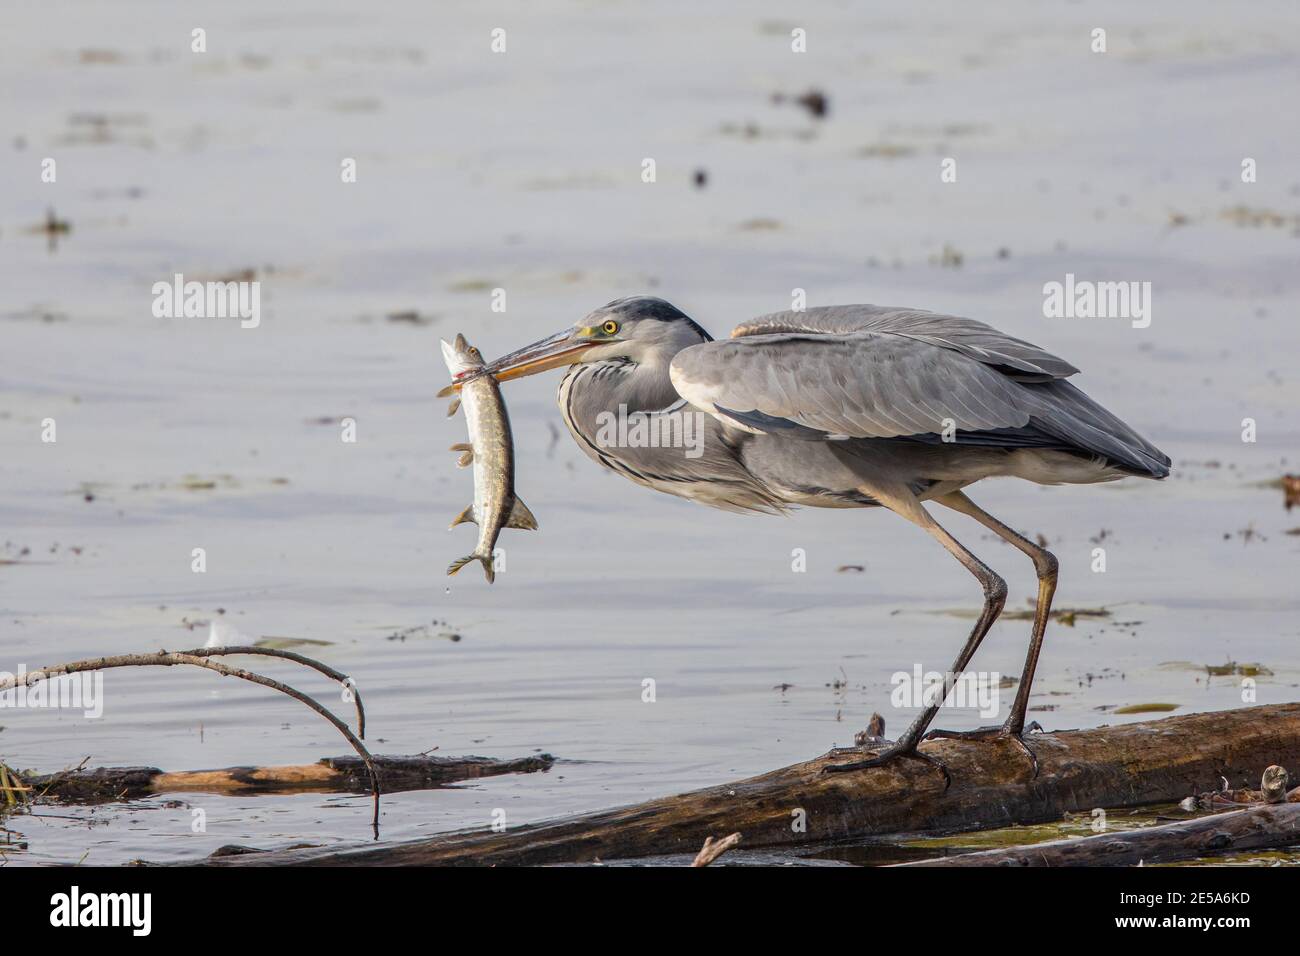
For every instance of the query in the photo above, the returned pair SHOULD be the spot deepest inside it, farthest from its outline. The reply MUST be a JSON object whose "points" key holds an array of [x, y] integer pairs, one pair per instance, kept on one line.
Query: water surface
{"points": [[522, 171]]}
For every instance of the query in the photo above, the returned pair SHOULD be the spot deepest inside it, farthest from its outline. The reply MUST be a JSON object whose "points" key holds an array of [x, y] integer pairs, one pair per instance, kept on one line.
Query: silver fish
{"points": [[491, 451]]}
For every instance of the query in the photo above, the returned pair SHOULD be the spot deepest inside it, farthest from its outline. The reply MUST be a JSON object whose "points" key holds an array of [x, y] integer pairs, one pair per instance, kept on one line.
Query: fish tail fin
{"points": [[485, 559], [521, 517]]}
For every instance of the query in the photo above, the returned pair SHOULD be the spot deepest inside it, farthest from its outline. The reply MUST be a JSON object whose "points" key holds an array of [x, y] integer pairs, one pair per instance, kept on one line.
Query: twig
{"points": [[713, 849], [168, 659], [316, 665]]}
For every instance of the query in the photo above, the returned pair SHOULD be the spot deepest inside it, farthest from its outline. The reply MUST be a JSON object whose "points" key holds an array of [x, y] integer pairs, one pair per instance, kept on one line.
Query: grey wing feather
{"points": [[1069, 413], [871, 372], [863, 385], [1022, 360]]}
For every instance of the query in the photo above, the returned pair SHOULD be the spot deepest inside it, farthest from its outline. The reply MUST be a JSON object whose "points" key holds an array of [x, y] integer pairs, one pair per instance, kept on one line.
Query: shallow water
{"points": [[523, 171]]}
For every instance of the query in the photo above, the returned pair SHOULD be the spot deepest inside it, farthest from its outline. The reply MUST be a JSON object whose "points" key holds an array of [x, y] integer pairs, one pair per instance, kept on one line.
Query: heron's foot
{"points": [[898, 751], [1000, 732]]}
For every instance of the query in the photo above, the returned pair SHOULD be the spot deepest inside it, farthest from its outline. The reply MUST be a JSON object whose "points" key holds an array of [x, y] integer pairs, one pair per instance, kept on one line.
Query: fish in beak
{"points": [[563, 348]]}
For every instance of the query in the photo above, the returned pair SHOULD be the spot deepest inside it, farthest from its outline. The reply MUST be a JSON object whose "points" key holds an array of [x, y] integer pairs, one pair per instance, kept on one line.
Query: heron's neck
{"points": [[642, 387], [589, 393]]}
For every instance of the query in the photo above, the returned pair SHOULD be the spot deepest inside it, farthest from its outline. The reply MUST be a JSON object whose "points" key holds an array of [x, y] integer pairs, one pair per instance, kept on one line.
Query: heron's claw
{"points": [[1000, 732], [896, 752]]}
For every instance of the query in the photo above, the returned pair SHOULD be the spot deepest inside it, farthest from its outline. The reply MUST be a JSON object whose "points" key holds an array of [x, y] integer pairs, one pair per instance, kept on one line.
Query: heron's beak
{"points": [[563, 348]]}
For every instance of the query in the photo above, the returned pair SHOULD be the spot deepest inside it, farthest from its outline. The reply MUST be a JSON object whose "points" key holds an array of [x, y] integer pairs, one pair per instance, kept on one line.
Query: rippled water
{"points": [[522, 171]]}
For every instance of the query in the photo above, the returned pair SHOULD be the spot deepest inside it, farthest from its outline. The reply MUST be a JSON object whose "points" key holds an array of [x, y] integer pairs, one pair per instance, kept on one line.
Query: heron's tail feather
{"points": [[484, 559], [1074, 417]]}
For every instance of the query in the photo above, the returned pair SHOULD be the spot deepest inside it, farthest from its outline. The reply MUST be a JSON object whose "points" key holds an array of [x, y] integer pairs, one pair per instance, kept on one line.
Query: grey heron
{"points": [[849, 406]]}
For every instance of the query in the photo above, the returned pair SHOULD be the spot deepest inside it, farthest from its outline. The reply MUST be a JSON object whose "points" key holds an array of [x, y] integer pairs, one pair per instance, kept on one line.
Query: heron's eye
{"points": [[610, 327]]}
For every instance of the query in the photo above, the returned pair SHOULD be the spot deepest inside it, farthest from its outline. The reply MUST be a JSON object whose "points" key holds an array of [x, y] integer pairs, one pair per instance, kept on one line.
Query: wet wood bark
{"points": [[331, 774], [1261, 827], [800, 806]]}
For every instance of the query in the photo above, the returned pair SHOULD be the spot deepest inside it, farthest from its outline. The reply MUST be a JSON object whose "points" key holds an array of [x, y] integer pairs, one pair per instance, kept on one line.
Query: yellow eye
{"points": [[610, 327]]}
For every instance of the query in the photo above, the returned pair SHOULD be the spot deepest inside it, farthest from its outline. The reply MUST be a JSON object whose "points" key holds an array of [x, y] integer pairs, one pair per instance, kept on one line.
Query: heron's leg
{"points": [[995, 595], [1045, 564]]}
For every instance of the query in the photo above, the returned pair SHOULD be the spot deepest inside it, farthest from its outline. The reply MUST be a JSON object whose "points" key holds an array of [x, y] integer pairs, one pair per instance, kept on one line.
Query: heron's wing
{"points": [[1016, 357], [868, 372], [864, 384]]}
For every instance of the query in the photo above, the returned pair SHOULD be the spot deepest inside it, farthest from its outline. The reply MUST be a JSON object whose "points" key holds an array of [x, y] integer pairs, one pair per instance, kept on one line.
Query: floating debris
{"points": [[1273, 788], [1231, 669], [289, 643], [1235, 668], [814, 101], [1290, 491], [1153, 708], [36, 313], [886, 151], [1246, 217], [1068, 616], [100, 56], [411, 317], [425, 631], [473, 285], [947, 258]]}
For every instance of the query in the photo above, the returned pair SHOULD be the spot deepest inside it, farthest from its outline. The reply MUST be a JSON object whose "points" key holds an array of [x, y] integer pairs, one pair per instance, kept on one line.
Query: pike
{"points": [[490, 449]]}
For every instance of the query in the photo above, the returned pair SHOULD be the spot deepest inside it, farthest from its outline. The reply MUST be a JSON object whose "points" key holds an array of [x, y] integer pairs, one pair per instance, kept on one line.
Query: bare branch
{"points": [[713, 849], [170, 659]]}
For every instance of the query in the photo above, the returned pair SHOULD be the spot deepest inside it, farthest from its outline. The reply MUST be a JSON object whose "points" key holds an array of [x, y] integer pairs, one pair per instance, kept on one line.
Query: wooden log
{"points": [[800, 806], [1264, 826], [331, 774]]}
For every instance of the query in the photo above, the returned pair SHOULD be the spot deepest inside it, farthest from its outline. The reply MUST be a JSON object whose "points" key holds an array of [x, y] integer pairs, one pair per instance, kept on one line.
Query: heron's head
{"points": [[641, 329]]}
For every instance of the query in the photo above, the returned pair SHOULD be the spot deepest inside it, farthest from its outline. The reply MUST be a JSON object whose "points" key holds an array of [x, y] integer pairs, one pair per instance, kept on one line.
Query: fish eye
{"points": [[610, 327]]}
